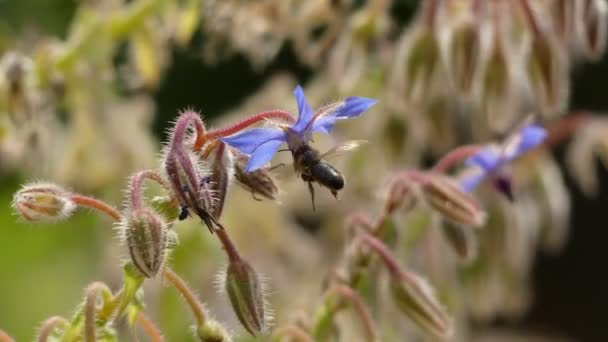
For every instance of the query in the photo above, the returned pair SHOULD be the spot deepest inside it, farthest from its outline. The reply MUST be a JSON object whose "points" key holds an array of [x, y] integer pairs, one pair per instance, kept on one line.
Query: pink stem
{"points": [[454, 156], [136, 189], [273, 114], [96, 204], [379, 248], [49, 325], [349, 294]]}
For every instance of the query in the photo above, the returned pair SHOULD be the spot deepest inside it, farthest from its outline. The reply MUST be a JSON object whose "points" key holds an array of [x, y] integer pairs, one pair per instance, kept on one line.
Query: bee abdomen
{"points": [[327, 175]]}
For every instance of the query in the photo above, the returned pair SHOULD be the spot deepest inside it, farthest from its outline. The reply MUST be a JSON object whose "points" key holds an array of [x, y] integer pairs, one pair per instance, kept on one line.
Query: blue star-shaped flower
{"points": [[489, 160], [262, 143]]}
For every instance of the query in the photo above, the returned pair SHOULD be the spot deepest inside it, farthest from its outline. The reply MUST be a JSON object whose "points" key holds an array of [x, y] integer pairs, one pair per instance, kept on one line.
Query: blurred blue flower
{"points": [[488, 161], [263, 142]]}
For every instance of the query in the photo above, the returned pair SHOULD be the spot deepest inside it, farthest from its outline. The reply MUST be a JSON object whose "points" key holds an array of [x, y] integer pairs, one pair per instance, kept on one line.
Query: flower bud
{"points": [[246, 294], [417, 300], [462, 240], [259, 182], [212, 331], [464, 53], [399, 194], [547, 71], [43, 202], [421, 63], [221, 167], [592, 26], [496, 98], [146, 236], [454, 204]]}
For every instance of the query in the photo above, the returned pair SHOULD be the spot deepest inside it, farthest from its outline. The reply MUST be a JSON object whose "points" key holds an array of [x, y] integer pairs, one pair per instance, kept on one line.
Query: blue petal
{"points": [[323, 124], [487, 158], [471, 180], [531, 136], [247, 141], [350, 108], [262, 155], [305, 112], [354, 106]]}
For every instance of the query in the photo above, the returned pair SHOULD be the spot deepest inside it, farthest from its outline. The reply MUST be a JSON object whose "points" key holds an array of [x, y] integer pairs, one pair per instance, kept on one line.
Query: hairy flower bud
{"points": [[462, 240], [259, 182], [421, 64], [464, 53], [414, 296], [592, 27], [212, 331], [146, 236], [221, 167], [547, 71], [497, 87], [246, 293], [450, 201], [43, 202]]}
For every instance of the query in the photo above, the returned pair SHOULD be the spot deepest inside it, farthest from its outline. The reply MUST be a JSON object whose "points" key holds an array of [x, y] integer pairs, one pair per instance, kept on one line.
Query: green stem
{"points": [[90, 308], [180, 285]]}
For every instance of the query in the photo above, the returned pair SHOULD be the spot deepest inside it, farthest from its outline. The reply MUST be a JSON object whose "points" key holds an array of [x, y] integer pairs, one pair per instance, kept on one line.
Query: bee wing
{"points": [[348, 146]]}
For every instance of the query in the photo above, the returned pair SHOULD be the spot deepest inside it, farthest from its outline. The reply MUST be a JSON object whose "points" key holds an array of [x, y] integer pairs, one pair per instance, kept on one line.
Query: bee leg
{"points": [[255, 198], [335, 193], [312, 195], [183, 214]]}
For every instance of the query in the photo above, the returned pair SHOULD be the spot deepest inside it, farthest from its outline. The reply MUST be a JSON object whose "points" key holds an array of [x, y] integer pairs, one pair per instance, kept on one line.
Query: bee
{"points": [[312, 167]]}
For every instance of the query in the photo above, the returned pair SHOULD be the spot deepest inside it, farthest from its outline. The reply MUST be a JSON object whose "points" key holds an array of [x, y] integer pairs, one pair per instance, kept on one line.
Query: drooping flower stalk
{"points": [[149, 328], [4, 337], [94, 291], [180, 285], [98, 205], [48, 327]]}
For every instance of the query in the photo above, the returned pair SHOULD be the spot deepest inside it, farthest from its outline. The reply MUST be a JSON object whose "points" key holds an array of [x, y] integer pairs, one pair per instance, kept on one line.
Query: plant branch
{"points": [[100, 206], [180, 285]]}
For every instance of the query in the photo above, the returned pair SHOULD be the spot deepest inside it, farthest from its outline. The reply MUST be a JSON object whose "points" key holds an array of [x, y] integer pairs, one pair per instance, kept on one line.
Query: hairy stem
{"points": [[179, 133], [269, 115], [347, 293], [136, 188], [90, 309], [4, 337], [454, 156], [99, 205], [46, 329], [383, 252], [180, 285], [294, 332], [229, 247], [149, 328]]}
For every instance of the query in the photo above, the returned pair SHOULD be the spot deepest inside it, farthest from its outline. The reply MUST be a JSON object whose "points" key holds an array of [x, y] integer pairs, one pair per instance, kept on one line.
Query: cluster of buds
{"points": [[497, 53]]}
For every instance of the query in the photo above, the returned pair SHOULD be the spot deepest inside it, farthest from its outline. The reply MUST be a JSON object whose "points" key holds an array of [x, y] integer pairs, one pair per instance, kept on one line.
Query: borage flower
{"points": [[262, 143], [491, 160]]}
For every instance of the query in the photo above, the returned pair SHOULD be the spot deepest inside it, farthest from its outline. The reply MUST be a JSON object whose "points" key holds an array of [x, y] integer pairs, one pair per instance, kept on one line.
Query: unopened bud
{"points": [[415, 298], [497, 88], [43, 202], [547, 73], [454, 204], [399, 194], [212, 331], [259, 182], [221, 167], [421, 64], [146, 236], [462, 239], [464, 54], [592, 26], [246, 294]]}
